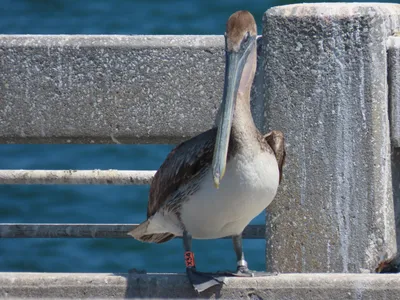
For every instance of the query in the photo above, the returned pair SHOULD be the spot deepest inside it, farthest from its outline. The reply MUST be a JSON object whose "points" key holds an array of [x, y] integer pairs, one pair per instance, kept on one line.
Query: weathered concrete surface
{"points": [[394, 86], [284, 286], [396, 190], [326, 89], [394, 98], [84, 89]]}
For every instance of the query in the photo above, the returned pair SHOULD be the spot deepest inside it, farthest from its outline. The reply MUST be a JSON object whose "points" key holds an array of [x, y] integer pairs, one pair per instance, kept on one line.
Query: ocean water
{"points": [[105, 204]]}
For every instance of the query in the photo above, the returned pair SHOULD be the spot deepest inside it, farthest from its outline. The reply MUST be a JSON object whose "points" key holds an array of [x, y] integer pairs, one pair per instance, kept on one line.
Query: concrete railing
{"points": [[328, 77]]}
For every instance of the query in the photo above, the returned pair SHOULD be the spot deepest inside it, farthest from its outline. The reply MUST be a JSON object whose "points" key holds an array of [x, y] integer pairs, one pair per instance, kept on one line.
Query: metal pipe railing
{"points": [[14, 230], [115, 177]]}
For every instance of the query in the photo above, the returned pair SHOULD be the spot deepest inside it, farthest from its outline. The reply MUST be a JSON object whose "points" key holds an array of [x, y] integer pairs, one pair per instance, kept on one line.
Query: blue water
{"points": [[105, 204]]}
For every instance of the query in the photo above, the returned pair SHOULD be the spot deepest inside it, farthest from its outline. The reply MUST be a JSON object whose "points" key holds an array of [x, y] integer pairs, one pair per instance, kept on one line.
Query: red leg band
{"points": [[189, 259]]}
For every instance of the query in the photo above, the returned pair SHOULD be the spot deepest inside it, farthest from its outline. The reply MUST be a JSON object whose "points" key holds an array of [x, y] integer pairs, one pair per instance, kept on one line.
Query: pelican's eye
{"points": [[246, 37]]}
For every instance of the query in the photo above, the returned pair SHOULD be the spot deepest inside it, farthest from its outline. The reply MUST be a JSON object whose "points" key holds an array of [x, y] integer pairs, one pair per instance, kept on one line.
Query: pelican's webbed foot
{"points": [[243, 271], [202, 280]]}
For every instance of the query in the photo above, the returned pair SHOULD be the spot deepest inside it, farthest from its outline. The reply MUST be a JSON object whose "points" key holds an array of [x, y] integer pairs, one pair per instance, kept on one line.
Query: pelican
{"points": [[212, 185]]}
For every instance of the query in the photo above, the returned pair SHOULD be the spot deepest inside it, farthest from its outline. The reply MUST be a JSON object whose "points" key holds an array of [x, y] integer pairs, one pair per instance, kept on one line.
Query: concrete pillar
{"points": [[394, 100], [326, 89]]}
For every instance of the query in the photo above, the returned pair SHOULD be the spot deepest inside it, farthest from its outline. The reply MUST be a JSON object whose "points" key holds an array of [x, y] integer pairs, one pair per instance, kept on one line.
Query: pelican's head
{"points": [[239, 28], [240, 42]]}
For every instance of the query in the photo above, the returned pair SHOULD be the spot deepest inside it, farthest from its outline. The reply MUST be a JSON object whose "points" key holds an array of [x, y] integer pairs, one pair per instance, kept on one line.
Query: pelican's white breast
{"points": [[248, 187]]}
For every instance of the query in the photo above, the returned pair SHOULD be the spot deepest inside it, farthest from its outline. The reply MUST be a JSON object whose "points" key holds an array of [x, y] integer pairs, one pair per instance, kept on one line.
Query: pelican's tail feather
{"points": [[140, 233]]}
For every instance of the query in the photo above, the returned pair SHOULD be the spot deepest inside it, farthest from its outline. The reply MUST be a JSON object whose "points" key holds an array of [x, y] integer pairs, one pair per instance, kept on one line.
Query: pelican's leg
{"points": [[199, 280], [241, 262], [242, 269]]}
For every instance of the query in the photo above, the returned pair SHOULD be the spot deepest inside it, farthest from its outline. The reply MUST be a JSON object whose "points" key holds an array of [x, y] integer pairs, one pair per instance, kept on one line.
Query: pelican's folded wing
{"points": [[185, 162]]}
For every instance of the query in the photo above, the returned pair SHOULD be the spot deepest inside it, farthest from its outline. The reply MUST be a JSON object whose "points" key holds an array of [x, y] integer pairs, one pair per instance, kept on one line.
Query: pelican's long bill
{"points": [[234, 65]]}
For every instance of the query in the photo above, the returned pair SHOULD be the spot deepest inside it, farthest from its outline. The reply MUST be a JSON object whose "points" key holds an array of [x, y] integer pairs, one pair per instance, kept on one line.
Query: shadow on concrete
{"points": [[139, 284], [396, 191]]}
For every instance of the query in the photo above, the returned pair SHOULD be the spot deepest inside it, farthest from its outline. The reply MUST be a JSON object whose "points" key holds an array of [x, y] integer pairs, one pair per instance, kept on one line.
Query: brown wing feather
{"points": [[183, 163], [276, 141]]}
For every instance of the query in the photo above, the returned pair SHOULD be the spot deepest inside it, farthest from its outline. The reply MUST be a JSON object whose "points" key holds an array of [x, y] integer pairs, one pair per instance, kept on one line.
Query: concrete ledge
{"points": [[84, 89], [283, 286]]}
